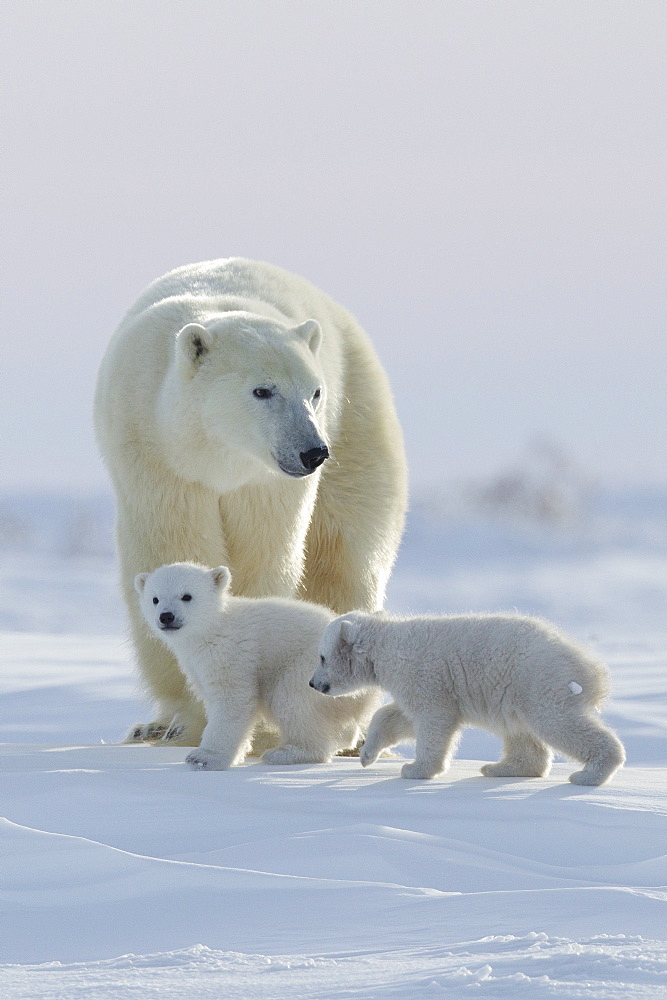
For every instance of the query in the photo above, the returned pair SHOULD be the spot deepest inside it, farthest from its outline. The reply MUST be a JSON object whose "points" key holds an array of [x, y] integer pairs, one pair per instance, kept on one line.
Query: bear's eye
{"points": [[186, 597], [317, 394], [322, 660], [155, 600], [262, 392]]}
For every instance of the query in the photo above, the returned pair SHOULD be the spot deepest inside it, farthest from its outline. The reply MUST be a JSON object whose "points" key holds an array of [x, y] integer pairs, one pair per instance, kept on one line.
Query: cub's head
{"points": [[182, 598], [345, 665], [256, 391]]}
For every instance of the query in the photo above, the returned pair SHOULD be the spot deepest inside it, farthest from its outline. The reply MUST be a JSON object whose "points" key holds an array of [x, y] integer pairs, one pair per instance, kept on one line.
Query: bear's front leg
{"points": [[191, 532], [176, 727], [176, 705], [178, 722]]}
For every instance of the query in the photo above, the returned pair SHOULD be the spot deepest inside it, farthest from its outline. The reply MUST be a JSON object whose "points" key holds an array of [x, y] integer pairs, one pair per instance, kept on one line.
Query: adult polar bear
{"points": [[245, 420]]}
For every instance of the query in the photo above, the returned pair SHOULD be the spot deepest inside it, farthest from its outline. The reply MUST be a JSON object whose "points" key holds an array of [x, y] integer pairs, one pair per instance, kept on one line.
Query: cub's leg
{"points": [[311, 734], [524, 757], [226, 737], [387, 728], [437, 735], [292, 753], [586, 739]]}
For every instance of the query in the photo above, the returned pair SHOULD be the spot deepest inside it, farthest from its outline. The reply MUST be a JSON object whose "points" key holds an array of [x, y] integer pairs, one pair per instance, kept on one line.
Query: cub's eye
{"points": [[262, 392], [155, 600], [186, 597], [322, 659], [317, 394]]}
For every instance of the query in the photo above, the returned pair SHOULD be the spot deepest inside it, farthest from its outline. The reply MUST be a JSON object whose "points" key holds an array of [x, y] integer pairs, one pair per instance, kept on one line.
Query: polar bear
{"points": [[516, 676], [245, 420], [248, 658]]}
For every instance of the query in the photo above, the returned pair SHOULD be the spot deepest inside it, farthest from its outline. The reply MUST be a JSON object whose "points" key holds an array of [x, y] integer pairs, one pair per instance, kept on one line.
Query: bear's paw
{"points": [[207, 760], [145, 732]]}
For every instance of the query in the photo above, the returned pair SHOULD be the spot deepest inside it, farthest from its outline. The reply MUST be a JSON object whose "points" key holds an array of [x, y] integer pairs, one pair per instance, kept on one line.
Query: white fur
{"points": [[205, 471], [249, 659], [516, 676]]}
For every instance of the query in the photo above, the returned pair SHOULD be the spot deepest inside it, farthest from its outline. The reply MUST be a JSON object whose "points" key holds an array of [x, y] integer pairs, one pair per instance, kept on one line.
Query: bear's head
{"points": [[255, 392], [182, 598], [345, 665]]}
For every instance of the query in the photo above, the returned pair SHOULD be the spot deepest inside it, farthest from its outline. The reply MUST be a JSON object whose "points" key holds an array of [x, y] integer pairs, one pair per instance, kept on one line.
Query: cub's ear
{"points": [[349, 632], [194, 342], [221, 577], [311, 333], [139, 582]]}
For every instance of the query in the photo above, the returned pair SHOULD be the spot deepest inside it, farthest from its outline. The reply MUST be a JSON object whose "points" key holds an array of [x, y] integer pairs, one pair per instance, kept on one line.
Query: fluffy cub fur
{"points": [[515, 676], [249, 659]]}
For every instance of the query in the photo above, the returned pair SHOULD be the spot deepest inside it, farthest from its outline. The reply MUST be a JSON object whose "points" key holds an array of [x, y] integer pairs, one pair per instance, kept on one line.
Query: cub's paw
{"points": [[288, 754], [207, 760], [498, 771], [417, 770], [367, 755], [586, 778], [146, 732], [501, 770]]}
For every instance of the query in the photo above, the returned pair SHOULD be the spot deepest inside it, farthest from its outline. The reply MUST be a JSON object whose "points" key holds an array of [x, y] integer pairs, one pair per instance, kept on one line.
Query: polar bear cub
{"points": [[515, 676], [246, 659]]}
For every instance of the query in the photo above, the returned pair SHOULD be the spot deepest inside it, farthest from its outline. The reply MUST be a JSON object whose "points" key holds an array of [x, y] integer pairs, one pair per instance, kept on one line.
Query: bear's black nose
{"points": [[166, 618], [314, 457]]}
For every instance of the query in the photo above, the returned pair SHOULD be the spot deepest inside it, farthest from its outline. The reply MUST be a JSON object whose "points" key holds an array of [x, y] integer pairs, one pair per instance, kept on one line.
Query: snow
{"points": [[122, 873]]}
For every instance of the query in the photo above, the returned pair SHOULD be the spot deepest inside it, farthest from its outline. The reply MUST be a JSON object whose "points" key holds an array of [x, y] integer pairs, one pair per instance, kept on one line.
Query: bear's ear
{"points": [[349, 632], [139, 582], [311, 333], [221, 577], [194, 342]]}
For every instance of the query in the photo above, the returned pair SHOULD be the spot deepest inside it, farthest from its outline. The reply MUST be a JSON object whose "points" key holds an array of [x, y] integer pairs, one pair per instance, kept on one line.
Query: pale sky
{"points": [[481, 182]]}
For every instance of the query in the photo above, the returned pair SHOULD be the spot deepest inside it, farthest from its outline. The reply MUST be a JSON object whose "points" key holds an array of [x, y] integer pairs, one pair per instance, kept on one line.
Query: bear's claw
{"points": [[146, 732], [173, 733]]}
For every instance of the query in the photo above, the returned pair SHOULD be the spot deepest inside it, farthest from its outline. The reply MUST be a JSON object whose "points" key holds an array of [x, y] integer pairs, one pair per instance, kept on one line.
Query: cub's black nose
{"points": [[166, 618], [314, 457]]}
